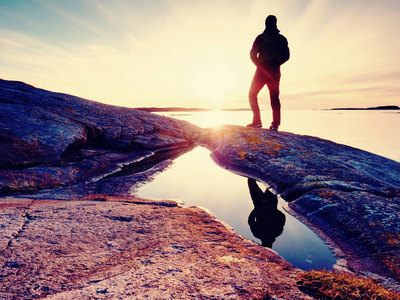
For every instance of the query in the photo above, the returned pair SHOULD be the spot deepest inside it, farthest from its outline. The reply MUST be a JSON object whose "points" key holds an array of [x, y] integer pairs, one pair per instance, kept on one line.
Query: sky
{"points": [[195, 53]]}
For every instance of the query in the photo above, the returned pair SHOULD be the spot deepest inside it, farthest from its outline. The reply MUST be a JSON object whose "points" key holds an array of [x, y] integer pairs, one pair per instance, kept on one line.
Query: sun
{"points": [[213, 82]]}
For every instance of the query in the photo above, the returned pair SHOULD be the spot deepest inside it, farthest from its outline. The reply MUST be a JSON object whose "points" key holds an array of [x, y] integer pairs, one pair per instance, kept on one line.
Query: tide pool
{"points": [[195, 179]]}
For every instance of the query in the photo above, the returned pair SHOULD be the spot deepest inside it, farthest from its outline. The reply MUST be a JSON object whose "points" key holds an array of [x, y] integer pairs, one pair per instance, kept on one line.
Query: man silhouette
{"points": [[270, 50]]}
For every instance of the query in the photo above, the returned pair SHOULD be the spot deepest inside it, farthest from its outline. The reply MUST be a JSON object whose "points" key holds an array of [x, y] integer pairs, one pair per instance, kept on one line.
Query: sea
{"points": [[196, 180]]}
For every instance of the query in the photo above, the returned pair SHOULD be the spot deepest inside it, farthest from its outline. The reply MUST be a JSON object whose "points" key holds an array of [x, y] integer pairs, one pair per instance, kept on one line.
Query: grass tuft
{"points": [[329, 285]]}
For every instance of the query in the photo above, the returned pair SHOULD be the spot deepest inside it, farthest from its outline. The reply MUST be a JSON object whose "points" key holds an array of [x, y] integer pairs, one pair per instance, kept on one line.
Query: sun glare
{"points": [[213, 82]]}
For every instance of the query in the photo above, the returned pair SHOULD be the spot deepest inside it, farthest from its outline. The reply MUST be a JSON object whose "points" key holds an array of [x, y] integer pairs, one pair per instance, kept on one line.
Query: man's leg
{"points": [[257, 195], [256, 86], [273, 87]]}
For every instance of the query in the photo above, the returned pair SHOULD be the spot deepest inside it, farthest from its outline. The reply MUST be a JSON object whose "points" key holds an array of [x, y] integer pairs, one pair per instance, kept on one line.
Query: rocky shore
{"points": [[71, 229], [349, 196]]}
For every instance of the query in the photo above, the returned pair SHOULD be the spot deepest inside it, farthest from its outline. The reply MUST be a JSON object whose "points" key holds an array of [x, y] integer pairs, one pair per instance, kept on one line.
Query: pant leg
{"points": [[257, 195], [256, 85], [273, 86]]}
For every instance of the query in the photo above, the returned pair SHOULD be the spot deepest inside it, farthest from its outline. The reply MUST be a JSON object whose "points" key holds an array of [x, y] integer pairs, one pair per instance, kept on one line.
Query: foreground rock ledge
{"points": [[120, 248]]}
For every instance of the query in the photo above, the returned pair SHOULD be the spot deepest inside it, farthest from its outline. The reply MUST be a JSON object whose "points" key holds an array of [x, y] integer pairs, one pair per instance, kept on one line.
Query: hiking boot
{"points": [[272, 127], [255, 124]]}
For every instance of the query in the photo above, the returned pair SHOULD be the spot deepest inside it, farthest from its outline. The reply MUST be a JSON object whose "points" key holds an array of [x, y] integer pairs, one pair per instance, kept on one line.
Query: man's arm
{"points": [[255, 50], [284, 50]]}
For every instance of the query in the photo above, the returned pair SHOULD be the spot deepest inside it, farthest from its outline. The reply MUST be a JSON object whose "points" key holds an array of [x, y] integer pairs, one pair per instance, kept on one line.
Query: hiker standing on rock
{"points": [[270, 50]]}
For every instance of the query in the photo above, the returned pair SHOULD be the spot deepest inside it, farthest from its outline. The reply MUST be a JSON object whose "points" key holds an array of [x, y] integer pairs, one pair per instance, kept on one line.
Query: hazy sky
{"points": [[195, 53]]}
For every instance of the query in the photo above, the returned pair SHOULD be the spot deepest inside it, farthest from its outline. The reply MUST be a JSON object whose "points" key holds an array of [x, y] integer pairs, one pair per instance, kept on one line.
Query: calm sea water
{"points": [[197, 180], [376, 131]]}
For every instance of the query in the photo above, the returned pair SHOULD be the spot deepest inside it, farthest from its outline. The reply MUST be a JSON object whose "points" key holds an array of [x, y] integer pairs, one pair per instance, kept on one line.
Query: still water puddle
{"points": [[197, 180]]}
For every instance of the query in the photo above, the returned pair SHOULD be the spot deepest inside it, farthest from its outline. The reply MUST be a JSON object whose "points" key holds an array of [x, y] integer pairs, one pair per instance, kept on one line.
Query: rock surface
{"points": [[55, 140], [351, 195], [122, 248], [70, 229]]}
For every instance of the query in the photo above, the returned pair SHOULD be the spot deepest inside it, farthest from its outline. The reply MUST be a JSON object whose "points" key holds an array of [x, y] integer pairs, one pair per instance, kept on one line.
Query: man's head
{"points": [[270, 22]]}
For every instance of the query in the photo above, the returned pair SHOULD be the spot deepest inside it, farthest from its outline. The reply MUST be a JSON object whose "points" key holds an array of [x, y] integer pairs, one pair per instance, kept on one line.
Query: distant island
{"points": [[386, 107]]}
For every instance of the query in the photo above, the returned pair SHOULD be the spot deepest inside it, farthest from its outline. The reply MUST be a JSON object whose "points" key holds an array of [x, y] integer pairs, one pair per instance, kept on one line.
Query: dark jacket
{"points": [[270, 46]]}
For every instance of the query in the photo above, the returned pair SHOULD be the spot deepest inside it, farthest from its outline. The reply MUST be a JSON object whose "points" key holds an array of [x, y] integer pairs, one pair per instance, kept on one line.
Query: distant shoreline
{"points": [[386, 107], [193, 109], [186, 109]]}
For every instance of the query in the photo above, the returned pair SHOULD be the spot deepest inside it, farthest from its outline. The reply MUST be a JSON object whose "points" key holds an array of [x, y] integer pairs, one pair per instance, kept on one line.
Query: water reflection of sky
{"points": [[197, 180]]}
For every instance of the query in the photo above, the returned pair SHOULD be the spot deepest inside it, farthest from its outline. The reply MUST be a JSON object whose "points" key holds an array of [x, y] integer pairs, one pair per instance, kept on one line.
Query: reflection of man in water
{"points": [[266, 221], [270, 50]]}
